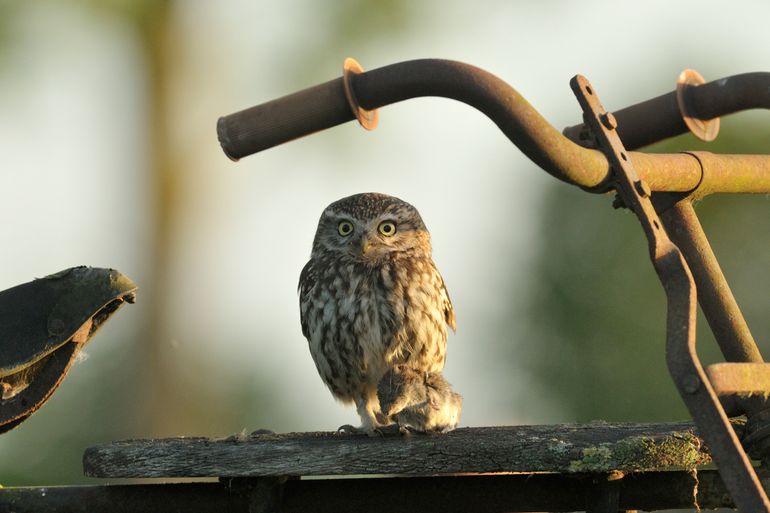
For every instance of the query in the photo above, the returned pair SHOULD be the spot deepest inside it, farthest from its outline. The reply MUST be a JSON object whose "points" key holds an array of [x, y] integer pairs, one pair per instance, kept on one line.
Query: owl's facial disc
{"points": [[372, 239]]}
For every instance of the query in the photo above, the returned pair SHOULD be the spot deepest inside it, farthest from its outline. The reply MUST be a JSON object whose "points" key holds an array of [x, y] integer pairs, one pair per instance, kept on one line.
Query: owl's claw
{"points": [[261, 431], [240, 437], [349, 429]]}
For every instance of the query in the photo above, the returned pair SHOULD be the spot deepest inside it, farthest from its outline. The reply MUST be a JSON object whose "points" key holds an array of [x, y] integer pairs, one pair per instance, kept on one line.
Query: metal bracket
{"points": [[672, 269]]}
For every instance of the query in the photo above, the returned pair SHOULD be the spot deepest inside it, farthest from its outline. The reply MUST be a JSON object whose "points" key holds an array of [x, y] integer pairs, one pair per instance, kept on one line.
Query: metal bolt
{"points": [[690, 383], [609, 121], [642, 188]]}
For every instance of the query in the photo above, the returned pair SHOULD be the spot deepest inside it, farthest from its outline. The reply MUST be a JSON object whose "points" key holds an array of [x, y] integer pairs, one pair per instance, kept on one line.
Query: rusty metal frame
{"points": [[674, 273], [659, 188]]}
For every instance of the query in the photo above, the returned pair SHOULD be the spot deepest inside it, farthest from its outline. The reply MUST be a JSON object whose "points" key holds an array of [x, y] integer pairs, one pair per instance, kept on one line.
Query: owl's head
{"points": [[371, 227]]}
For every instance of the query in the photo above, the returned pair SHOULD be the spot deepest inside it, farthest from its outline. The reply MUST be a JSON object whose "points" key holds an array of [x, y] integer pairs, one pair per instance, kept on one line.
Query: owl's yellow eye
{"points": [[345, 228], [387, 228]]}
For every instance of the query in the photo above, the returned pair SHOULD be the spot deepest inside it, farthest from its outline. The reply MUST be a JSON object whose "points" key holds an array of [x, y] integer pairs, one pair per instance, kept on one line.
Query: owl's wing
{"points": [[449, 311], [307, 279]]}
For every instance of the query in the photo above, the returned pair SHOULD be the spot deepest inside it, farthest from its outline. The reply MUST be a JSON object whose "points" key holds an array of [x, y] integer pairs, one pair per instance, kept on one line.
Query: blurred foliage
{"points": [[597, 308], [147, 389], [351, 29], [141, 13], [8, 16], [354, 21]]}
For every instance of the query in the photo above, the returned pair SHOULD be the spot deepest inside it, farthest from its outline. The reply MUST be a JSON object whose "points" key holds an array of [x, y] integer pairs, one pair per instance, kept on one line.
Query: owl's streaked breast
{"points": [[360, 319], [348, 323]]}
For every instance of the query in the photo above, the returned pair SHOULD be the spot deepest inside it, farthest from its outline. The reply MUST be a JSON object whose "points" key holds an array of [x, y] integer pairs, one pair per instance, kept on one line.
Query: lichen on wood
{"points": [[680, 451]]}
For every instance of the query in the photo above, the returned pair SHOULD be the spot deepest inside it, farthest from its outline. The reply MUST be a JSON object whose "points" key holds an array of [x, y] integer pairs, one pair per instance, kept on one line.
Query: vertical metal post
{"points": [[714, 294]]}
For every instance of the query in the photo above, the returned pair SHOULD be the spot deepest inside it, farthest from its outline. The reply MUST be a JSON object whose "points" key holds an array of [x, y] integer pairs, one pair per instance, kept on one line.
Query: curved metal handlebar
{"points": [[661, 117], [326, 105]]}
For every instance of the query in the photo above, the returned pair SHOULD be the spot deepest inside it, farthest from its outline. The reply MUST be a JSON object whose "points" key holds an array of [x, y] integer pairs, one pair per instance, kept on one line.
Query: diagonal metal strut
{"points": [[684, 366]]}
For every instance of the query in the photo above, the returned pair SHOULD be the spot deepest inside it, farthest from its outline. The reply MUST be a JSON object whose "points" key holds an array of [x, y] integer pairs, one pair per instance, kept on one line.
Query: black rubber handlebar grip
{"points": [[284, 119]]}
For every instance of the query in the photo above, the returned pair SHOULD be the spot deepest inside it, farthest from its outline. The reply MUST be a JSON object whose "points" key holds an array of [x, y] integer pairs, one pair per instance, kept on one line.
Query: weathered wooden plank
{"points": [[177, 497], [570, 448], [447, 494]]}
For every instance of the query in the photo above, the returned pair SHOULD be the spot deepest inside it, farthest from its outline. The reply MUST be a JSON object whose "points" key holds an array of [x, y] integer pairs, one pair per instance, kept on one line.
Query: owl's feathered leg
{"points": [[368, 408]]}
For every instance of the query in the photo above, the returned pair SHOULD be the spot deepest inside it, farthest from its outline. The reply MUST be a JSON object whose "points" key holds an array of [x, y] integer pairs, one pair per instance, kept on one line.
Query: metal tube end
{"points": [[704, 129], [366, 118]]}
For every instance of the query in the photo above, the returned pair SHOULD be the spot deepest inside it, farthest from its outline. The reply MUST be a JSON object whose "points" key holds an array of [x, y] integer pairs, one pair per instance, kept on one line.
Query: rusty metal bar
{"points": [[325, 105], [450, 494], [696, 391], [659, 118], [714, 295], [495, 98], [677, 280], [743, 379], [732, 173]]}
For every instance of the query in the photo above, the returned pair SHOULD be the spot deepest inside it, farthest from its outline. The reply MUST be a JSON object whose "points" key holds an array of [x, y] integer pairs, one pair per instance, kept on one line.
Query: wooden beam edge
{"points": [[567, 448]]}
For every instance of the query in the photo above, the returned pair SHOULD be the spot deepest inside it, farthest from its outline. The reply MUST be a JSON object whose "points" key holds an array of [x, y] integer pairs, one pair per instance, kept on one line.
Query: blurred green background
{"points": [[109, 157]]}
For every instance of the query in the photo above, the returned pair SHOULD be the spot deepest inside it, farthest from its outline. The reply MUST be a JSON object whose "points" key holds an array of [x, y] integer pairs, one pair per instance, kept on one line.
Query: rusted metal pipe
{"points": [[659, 118], [714, 294], [326, 105], [495, 98], [732, 173]]}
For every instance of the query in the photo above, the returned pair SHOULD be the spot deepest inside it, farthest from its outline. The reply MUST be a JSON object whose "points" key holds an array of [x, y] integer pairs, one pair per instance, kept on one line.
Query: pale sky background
{"points": [[73, 159]]}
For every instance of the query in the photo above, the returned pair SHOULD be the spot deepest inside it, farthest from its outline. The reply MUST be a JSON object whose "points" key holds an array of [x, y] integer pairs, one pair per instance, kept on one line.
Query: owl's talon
{"points": [[261, 431], [349, 429]]}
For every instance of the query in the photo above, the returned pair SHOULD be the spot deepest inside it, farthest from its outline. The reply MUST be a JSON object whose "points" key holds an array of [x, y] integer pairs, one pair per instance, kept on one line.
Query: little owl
{"points": [[371, 298]]}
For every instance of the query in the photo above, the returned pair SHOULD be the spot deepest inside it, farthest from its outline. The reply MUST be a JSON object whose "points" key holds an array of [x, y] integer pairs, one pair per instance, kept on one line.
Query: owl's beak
{"points": [[366, 246]]}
